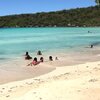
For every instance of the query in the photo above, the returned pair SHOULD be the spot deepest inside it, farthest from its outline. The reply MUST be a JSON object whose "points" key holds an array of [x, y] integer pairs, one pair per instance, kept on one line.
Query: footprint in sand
{"points": [[40, 98], [21, 86], [3, 88], [37, 79], [29, 83], [13, 87], [96, 68], [87, 66], [8, 96], [1, 91], [34, 92], [67, 73], [93, 80], [9, 90], [78, 90]]}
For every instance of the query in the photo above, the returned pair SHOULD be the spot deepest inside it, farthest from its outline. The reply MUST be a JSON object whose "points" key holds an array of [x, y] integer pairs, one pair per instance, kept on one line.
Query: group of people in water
{"points": [[35, 61]]}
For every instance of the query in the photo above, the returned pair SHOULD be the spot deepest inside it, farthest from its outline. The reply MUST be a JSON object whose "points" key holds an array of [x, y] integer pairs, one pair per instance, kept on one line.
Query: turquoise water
{"points": [[14, 42]]}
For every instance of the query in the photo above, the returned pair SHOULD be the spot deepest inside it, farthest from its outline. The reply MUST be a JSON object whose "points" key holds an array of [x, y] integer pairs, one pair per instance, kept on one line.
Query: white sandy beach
{"points": [[77, 82]]}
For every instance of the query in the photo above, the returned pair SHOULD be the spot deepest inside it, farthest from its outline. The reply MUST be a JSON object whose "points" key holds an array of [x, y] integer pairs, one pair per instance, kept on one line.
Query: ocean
{"points": [[14, 42]]}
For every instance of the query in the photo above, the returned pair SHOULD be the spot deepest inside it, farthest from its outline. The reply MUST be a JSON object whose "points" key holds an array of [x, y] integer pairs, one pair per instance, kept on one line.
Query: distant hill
{"points": [[78, 17]]}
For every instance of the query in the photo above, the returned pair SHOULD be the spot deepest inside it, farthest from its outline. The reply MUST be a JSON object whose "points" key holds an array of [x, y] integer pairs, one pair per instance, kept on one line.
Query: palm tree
{"points": [[97, 2]]}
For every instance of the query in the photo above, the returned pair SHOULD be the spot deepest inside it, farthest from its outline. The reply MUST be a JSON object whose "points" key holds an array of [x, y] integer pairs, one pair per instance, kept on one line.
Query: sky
{"points": [[10, 7]]}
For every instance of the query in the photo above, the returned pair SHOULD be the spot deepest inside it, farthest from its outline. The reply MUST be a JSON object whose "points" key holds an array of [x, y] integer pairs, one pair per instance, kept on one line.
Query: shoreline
{"points": [[17, 69]]}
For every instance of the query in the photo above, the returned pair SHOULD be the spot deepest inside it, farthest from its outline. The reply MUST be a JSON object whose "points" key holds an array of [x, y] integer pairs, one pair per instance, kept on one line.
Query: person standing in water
{"points": [[27, 56], [50, 58], [39, 53], [41, 59], [91, 46]]}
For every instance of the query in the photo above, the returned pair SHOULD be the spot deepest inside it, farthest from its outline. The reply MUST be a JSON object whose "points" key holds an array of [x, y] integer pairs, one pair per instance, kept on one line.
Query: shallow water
{"points": [[14, 42]]}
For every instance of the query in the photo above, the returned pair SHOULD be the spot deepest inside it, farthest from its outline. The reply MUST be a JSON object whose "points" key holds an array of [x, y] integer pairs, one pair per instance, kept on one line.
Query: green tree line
{"points": [[79, 17]]}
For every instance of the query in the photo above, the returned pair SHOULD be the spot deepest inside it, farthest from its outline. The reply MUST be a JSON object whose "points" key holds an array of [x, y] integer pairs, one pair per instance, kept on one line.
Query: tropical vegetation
{"points": [[97, 2], [79, 17]]}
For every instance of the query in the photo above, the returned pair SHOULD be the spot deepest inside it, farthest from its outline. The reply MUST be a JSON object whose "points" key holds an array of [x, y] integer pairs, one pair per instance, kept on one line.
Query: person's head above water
{"points": [[39, 53], [35, 59], [26, 53], [91, 46], [41, 59], [56, 58], [50, 58]]}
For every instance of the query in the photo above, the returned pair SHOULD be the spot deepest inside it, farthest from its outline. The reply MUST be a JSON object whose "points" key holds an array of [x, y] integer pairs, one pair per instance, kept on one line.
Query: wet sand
{"points": [[17, 69]]}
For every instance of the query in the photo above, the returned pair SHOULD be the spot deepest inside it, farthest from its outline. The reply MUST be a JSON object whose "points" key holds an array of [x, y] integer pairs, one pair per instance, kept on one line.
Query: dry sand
{"points": [[76, 82]]}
